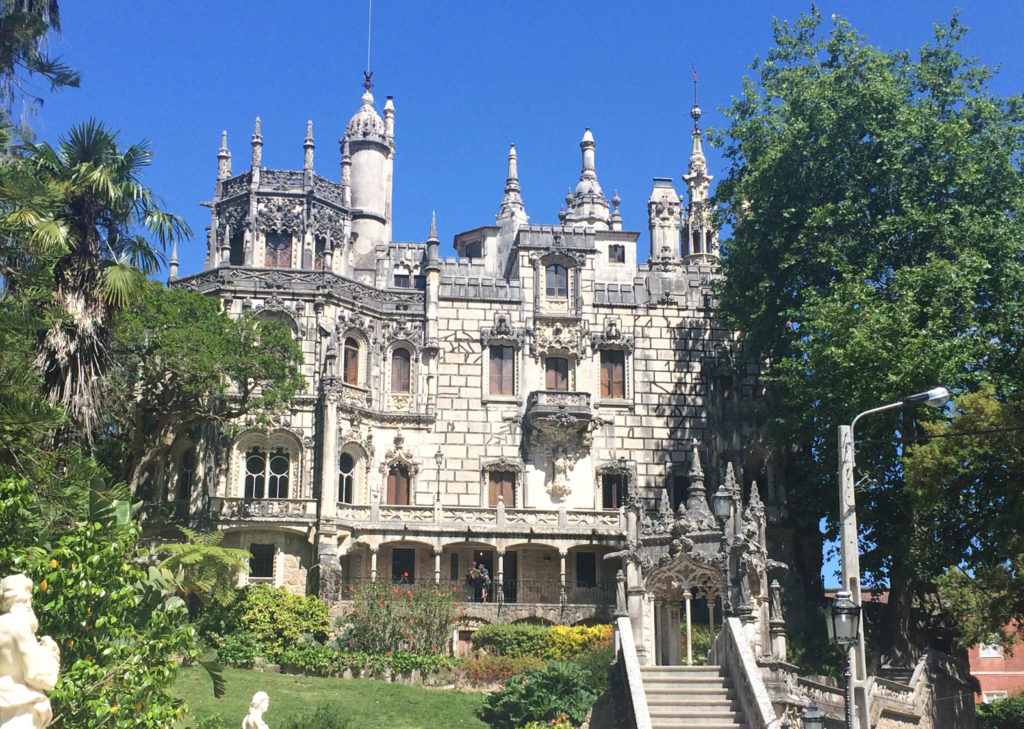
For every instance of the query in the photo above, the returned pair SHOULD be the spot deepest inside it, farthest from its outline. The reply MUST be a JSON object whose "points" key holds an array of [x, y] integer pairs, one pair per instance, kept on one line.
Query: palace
{"points": [[498, 407]]}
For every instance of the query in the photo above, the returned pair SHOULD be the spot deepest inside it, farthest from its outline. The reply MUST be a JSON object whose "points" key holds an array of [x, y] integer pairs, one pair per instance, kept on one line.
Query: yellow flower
{"points": [[53, 564], [42, 586]]}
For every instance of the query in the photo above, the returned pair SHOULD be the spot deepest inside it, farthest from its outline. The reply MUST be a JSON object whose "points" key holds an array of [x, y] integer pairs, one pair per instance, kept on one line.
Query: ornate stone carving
{"points": [[611, 337], [324, 220], [503, 332], [561, 466], [28, 666], [398, 453], [558, 337], [283, 214], [400, 330]]}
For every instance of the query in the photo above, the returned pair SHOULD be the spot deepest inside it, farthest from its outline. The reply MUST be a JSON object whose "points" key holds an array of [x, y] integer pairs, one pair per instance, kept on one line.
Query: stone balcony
{"points": [[460, 520], [556, 417], [269, 510]]}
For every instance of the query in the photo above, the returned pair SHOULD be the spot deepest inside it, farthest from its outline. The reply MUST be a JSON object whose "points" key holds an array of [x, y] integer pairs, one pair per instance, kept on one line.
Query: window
{"points": [[557, 281], [267, 477], [613, 490], [402, 280], [987, 697], [279, 250], [616, 253], [261, 565], [186, 475], [346, 478], [586, 569], [400, 364], [613, 374], [350, 362], [419, 283], [502, 370], [319, 246], [403, 565], [503, 484], [474, 249], [678, 489], [556, 373], [990, 650], [398, 485], [454, 568], [237, 255]]}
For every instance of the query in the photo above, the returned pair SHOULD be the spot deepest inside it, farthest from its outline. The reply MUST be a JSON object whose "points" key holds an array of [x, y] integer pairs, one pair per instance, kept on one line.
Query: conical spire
{"points": [[587, 205], [257, 145], [696, 471], [512, 207], [432, 235], [433, 259], [697, 517], [172, 264], [223, 158], [307, 148]]}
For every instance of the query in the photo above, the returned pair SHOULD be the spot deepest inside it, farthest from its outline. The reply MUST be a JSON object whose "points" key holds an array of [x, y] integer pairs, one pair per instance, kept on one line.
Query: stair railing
{"points": [[732, 652], [627, 666]]}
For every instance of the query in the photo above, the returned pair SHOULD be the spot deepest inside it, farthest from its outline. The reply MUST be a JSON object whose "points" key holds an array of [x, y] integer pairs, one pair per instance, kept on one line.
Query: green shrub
{"points": [[324, 716], [312, 658], [1005, 713], [558, 688], [701, 643], [490, 669], [513, 639], [391, 618], [238, 650], [272, 618], [595, 662]]}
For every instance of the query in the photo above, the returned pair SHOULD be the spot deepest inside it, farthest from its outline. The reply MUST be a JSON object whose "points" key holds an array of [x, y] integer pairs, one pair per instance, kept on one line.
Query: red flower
{"points": [[410, 621], [389, 654], [380, 604], [409, 593], [350, 645], [405, 574]]}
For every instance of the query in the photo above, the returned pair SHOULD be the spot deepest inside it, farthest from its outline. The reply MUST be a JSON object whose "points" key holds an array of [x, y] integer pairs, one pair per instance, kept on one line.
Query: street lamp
{"points": [[843, 631], [439, 460], [813, 718], [849, 555], [721, 502]]}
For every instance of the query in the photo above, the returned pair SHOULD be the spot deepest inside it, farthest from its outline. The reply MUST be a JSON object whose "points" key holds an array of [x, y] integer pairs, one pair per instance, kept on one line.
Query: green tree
{"points": [[179, 365], [204, 568], [876, 251], [102, 262]]}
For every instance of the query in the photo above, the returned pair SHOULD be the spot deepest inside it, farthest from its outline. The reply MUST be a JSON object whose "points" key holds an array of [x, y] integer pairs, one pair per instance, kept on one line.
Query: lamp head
{"points": [[935, 398], [813, 718], [844, 619], [721, 503], [439, 457]]}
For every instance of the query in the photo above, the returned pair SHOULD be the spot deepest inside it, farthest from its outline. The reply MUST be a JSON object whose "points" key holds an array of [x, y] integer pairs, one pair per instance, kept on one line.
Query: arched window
{"points": [[350, 362], [267, 477], [255, 473], [400, 368], [278, 250], [398, 485], [236, 257], [346, 478], [557, 281], [186, 475]]}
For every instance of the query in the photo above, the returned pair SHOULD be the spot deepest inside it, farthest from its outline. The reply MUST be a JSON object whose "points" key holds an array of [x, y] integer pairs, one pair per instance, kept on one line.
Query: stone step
{"points": [[685, 723], [667, 684], [661, 700], [680, 670]]}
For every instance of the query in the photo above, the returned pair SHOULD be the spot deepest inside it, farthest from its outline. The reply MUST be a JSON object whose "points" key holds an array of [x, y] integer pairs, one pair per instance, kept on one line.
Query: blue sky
{"points": [[468, 78]]}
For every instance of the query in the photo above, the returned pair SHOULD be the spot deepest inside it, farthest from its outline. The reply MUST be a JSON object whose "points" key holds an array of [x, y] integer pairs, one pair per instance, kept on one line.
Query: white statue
{"points": [[28, 667], [561, 466], [254, 719]]}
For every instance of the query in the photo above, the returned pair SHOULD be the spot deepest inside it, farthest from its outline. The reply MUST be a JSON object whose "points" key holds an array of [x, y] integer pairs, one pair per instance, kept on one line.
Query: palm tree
{"points": [[102, 262]]}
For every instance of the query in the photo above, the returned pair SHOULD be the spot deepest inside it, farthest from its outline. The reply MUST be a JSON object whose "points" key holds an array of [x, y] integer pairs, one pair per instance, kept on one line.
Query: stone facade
{"points": [[499, 406]]}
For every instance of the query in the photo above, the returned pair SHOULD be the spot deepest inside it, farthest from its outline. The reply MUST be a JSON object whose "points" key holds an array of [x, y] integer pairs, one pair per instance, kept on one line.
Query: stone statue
{"points": [[28, 666], [254, 719], [561, 475]]}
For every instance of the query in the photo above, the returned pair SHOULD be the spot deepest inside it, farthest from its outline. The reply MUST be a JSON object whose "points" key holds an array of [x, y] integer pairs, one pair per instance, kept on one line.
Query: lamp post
{"points": [[726, 503], [849, 554], [844, 631], [813, 718], [439, 460]]}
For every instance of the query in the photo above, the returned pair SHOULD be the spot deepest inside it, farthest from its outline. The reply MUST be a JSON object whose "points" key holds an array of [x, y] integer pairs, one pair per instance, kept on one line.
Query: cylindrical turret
{"points": [[370, 150], [307, 149]]}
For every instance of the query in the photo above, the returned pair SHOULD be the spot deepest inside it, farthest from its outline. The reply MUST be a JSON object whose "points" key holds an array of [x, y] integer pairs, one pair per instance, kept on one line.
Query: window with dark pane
{"points": [[557, 281], [616, 253], [502, 484], [262, 562], [613, 374], [613, 490], [350, 362], [255, 473], [502, 370], [400, 370], [556, 373], [278, 250], [402, 280], [346, 478], [398, 485], [586, 569], [277, 478]]}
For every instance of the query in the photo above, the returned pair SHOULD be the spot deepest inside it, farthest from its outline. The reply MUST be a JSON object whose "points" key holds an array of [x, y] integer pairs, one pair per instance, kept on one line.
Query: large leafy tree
{"points": [[100, 266], [875, 199], [181, 366]]}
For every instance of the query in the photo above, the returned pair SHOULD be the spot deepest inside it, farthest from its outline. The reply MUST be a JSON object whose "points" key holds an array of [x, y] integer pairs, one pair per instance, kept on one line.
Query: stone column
{"points": [[373, 563], [687, 597], [674, 623], [437, 566], [499, 579], [561, 576]]}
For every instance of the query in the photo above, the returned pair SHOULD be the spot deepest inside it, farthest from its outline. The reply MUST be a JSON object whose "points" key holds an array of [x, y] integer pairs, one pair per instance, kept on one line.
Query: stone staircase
{"points": [[680, 697]]}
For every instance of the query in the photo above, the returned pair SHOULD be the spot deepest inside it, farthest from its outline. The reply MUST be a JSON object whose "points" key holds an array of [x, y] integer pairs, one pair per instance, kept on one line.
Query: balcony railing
{"points": [[273, 509], [517, 591], [481, 517], [555, 416]]}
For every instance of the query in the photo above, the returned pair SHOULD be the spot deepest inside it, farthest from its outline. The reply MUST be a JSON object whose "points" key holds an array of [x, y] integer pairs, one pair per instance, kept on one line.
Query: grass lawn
{"points": [[369, 704]]}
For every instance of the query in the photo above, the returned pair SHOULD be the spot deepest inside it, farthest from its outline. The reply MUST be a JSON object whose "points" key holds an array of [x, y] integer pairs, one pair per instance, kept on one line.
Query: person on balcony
{"points": [[485, 583], [472, 583]]}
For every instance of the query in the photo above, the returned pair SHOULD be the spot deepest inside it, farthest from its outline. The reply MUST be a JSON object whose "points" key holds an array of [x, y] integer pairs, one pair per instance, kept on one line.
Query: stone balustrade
{"points": [[264, 509], [608, 521]]}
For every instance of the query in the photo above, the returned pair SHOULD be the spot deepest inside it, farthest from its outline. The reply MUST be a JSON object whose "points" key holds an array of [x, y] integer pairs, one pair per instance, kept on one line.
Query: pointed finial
{"points": [[223, 158], [309, 132], [695, 112], [433, 226], [616, 200], [367, 83], [755, 497], [172, 265], [730, 476], [224, 141], [257, 136], [696, 471]]}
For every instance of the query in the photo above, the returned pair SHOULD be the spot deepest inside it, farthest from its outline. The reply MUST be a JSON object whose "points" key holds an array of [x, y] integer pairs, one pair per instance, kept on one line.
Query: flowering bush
{"points": [[391, 618], [487, 669], [554, 642], [566, 642]]}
